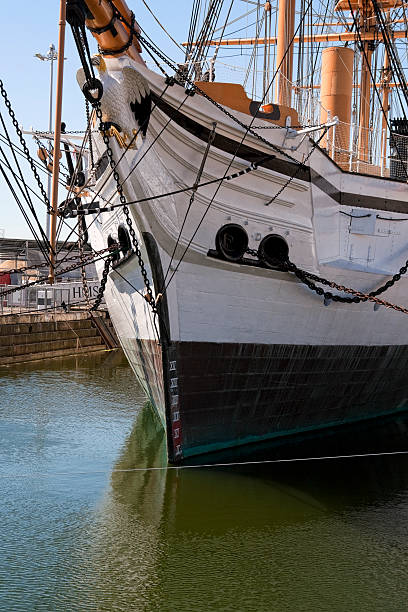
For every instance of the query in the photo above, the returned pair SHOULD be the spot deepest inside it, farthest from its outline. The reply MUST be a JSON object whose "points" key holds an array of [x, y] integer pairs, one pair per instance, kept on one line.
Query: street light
{"points": [[50, 56]]}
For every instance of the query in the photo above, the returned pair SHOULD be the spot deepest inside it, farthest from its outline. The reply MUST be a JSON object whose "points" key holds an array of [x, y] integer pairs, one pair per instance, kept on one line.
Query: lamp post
{"points": [[50, 56]]}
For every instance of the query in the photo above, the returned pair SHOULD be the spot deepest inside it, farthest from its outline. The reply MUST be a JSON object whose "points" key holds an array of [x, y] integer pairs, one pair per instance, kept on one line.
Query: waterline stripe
{"points": [[205, 465]]}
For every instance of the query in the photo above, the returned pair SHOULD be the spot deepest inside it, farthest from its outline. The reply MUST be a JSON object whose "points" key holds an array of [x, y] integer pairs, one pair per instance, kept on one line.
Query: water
{"points": [[77, 535]]}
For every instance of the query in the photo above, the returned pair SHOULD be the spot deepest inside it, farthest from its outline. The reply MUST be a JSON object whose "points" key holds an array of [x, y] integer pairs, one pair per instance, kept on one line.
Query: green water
{"points": [[77, 535]]}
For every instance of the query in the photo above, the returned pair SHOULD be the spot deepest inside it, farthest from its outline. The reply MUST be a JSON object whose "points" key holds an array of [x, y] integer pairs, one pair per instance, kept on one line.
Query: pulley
{"points": [[77, 13], [93, 90]]}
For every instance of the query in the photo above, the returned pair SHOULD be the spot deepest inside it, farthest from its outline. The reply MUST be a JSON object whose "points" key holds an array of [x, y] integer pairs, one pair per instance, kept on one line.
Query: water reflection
{"points": [[308, 536], [300, 536]]}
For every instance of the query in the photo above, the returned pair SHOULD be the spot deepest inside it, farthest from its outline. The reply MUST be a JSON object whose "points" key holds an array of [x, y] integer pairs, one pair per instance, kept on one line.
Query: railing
{"points": [[366, 151], [44, 297]]}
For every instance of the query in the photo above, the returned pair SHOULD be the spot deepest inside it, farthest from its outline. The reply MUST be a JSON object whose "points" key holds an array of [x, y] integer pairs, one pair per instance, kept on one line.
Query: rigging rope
{"points": [[162, 26], [89, 259], [373, 80], [159, 196], [24, 145], [167, 468], [192, 197], [25, 192], [291, 178]]}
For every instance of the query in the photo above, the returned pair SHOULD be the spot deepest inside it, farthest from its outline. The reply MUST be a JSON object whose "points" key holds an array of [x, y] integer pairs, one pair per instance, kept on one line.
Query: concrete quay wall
{"points": [[29, 337]]}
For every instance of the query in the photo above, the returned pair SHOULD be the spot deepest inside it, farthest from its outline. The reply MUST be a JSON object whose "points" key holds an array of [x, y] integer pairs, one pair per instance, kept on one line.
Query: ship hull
{"points": [[234, 394], [238, 352], [222, 395], [309, 366]]}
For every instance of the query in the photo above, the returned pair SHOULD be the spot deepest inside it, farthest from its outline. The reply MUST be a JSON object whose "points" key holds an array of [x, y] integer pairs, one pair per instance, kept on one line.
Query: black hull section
{"points": [[219, 396], [231, 394]]}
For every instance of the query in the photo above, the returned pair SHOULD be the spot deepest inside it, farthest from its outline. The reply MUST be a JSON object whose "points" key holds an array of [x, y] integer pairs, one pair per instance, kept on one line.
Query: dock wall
{"points": [[28, 337]]}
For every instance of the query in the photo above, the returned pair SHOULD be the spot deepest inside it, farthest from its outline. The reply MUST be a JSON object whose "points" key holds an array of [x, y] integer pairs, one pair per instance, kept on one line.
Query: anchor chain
{"points": [[93, 91], [310, 280], [102, 286], [136, 247], [45, 264], [81, 256], [88, 123], [24, 145]]}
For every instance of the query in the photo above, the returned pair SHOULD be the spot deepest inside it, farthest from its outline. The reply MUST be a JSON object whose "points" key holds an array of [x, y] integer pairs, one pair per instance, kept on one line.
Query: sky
{"points": [[28, 28]]}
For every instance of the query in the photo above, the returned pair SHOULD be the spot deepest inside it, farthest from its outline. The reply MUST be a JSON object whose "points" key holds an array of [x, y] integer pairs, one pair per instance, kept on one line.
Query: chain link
{"points": [[81, 256], [252, 252], [195, 88], [91, 258], [45, 264], [310, 280], [24, 144], [88, 123], [67, 132], [149, 293], [102, 287]]}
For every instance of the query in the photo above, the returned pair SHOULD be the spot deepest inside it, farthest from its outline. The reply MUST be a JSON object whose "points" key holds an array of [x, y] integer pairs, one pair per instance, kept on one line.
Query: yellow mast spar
{"points": [[57, 141]]}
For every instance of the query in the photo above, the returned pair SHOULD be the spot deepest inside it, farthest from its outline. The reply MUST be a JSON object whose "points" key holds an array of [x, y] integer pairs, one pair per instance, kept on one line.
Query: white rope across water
{"points": [[204, 465]]}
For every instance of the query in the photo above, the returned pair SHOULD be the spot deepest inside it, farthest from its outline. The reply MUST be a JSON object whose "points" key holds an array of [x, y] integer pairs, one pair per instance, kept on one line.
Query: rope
{"points": [[95, 257], [17, 199], [291, 178], [162, 27], [192, 197], [230, 177], [167, 468], [19, 178]]}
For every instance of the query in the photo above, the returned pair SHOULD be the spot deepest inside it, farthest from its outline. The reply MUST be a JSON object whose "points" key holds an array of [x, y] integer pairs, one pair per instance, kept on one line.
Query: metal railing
{"points": [[377, 156], [45, 297]]}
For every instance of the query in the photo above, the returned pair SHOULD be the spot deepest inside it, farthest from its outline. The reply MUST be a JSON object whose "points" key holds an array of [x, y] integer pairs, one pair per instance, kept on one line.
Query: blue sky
{"points": [[30, 27]]}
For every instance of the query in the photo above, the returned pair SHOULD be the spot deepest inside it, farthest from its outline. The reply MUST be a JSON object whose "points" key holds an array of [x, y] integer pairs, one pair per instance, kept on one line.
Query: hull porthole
{"points": [[231, 241], [273, 251]]}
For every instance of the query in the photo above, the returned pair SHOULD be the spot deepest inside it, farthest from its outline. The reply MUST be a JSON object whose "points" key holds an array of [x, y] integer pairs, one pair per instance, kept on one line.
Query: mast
{"points": [[112, 33], [57, 140], [367, 23], [386, 77], [284, 50]]}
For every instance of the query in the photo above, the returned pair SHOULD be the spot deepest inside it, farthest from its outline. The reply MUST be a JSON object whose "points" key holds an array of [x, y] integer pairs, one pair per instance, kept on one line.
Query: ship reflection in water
{"points": [[312, 535]]}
